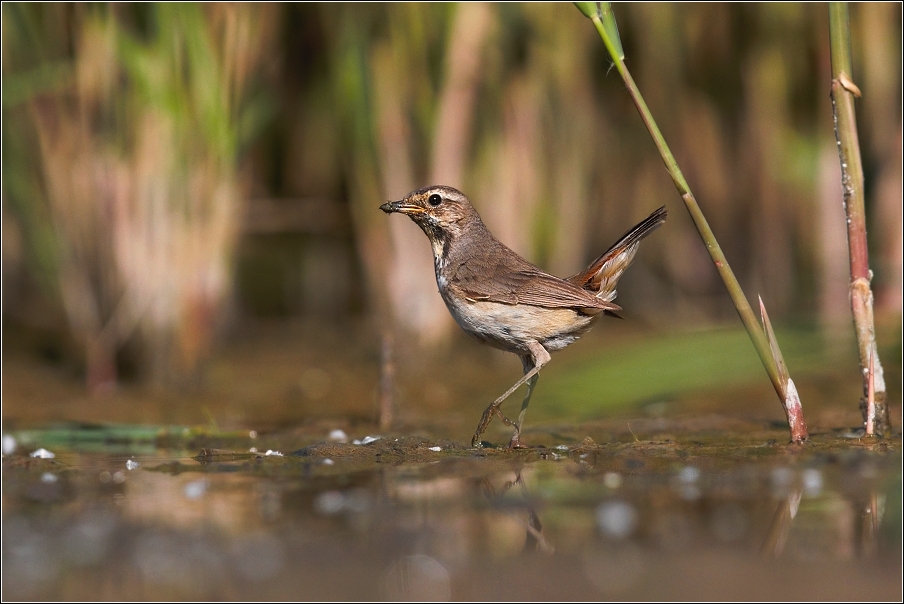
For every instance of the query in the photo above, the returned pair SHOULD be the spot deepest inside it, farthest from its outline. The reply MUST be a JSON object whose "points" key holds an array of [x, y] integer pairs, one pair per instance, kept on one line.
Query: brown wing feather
{"points": [[517, 281]]}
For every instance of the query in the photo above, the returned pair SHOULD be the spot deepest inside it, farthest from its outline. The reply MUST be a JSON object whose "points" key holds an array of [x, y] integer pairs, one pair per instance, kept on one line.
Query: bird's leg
{"points": [[493, 409], [532, 364], [528, 364], [503, 418]]}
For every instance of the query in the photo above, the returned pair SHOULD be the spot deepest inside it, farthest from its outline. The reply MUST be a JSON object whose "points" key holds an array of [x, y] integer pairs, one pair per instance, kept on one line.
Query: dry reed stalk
{"points": [[455, 110], [411, 288], [140, 169], [844, 90]]}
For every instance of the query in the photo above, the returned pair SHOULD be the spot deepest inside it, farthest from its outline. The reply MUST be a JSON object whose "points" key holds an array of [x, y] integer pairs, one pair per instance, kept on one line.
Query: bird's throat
{"points": [[441, 241]]}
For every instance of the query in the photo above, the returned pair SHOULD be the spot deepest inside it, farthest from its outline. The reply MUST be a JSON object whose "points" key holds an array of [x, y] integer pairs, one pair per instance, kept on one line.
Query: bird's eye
{"points": [[435, 200]]}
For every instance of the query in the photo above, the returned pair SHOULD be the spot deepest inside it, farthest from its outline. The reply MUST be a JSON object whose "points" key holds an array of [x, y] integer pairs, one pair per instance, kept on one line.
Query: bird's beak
{"points": [[403, 207]]}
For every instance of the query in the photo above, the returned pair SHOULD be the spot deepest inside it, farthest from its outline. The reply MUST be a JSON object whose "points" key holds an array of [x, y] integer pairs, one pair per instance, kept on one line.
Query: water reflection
{"points": [[780, 527], [417, 578], [534, 539], [613, 570], [454, 528]]}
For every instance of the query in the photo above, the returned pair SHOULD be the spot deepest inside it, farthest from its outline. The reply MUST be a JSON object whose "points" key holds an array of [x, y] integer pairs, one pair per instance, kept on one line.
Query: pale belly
{"points": [[510, 327]]}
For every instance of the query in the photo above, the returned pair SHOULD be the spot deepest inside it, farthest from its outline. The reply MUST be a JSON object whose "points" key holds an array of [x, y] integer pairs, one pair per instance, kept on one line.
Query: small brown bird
{"points": [[505, 301]]}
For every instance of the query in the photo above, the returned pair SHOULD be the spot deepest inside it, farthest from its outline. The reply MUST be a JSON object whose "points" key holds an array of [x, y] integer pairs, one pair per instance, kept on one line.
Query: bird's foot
{"points": [[486, 418], [516, 443]]}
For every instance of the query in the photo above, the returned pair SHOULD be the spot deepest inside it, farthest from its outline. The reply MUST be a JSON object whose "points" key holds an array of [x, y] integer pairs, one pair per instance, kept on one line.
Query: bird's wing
{"points": [[509, 279]]}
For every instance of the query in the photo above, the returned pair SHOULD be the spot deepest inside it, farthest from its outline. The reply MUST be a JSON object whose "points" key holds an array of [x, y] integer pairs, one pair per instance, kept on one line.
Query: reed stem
{"points": [[604, 21], [843, 93]]}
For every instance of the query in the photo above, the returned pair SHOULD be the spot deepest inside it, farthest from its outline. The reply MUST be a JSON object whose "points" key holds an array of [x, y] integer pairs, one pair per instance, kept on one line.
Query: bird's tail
{"points": [[603, 273]]}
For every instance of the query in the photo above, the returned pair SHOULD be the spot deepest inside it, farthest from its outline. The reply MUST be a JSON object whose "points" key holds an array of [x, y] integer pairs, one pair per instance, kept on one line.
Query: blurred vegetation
{"points": [[172, 169], [657, 370], [133, 205]]}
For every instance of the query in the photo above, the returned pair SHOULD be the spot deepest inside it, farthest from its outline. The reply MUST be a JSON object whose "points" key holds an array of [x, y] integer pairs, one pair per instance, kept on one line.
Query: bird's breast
{"points": [[511, 326]]}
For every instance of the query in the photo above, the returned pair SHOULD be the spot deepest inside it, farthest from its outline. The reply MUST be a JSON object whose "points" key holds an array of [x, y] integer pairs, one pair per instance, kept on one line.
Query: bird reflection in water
{"points": [[534, 541]]}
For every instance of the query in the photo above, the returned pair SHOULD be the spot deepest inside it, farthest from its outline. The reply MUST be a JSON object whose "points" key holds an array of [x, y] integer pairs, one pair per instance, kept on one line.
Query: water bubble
{"points": [[196, 489], [616, 519], [436, 449], [370, 439], [42, 454], [612, 480], [271, 452], [49, 477], [812, 482], [131, 464], [689, 474], [686, 483], [781, 479], [338, 436], [9, 444], [330, 502], [417, 578], [328, 462]]}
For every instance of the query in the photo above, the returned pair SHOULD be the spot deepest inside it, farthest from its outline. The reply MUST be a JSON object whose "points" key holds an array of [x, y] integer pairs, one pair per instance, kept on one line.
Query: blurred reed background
{"points": [[170, 171]]}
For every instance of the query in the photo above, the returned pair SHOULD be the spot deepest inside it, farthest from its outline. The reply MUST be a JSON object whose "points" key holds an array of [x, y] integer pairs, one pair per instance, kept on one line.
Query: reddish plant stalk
{"points": [[843, 93]]}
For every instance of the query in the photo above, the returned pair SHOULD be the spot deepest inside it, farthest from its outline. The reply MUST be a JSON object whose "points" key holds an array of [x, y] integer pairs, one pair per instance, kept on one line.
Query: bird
{"points": [[505, 301]]}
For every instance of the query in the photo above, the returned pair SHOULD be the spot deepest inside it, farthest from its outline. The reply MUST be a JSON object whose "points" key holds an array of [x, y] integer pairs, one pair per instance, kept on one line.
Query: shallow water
{"points": [[420, 519], [680, 489]]}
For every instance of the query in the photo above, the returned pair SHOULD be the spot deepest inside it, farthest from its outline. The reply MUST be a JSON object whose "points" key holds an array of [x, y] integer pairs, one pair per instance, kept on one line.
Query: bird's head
{"points": [[442, 212]]}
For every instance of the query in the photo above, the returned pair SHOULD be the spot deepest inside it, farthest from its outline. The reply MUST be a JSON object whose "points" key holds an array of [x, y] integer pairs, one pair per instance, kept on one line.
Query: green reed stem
{"points": [[601, 15]]}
